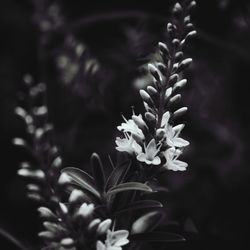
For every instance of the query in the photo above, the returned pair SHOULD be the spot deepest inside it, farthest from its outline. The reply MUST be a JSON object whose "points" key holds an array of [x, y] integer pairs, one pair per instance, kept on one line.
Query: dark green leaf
{"points": [[82, 179], [98, 172], [144, 204], [157, 236], [129, 186], [147, 222], [118, 175]]}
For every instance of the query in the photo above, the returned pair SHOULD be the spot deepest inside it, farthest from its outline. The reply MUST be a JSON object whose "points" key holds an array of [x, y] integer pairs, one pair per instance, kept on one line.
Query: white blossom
{"points": [[172, 133], [130, 126], [172, 163], [150, 155], [114, 241], [128, 144]]}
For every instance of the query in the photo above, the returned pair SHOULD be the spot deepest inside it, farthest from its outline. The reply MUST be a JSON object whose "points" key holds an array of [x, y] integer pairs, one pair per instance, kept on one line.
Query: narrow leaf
{"points": [[82, 179], [157, 236], [118, 175], [144, 204], [98, 172], [147, 222], [129, 186]]}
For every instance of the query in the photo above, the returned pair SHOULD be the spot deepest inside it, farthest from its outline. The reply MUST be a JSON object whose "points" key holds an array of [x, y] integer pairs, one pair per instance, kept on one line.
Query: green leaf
{"points": [[98, 172], [82, 179], [144, 204], [157, 236], [118, 175], [129, 186], [147, 222]]}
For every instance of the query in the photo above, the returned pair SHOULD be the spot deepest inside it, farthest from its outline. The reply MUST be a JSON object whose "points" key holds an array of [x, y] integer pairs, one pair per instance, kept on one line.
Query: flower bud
{"points": [[180, 84], [64, 179], [160, 133], [36, 174], [19, 142], [175, 98], [180, 112], [173, 79], [145, 96], [67, 242], [163, 49], [152, 91], [155, 72], [85, 210], [93, 225], [46, 213], [149, 116], [76, 195], [139, 121], [47, 235], [57, 162], [104, 226], [184, 64]]}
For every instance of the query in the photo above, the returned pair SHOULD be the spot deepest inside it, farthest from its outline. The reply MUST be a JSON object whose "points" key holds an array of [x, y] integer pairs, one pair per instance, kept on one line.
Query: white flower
{"points": [[150, 155], [165, 118], [130, 126], [128, 144], [85, 210], [172, 135], [114, 240], [172, 163]]}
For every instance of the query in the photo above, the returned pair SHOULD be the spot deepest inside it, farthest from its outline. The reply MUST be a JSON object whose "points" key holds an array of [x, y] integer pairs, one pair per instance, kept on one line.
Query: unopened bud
{"points": [[76, 195], [173, 79], [178, 56], [184, 64], [192, 5], [177, 9], [163, 48], [175, 98], [149, 116], [33, 187], [37, 174], [145, 96], [46, 213], [162, 68], [104, 226], [155, 72], [67, 242], [152, 91], [19, 142], [47, 235], [160, 133], [180, 112], [180, 84], [64, 179], [168, 92], [94, 224], [139, 121], [63, 208], [176, 43], [57, 162], [39, 111], [85, 210]]}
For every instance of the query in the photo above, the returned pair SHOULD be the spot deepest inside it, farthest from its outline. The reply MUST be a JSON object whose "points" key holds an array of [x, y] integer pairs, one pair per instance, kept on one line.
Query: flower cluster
{"points": [[153, 138]]}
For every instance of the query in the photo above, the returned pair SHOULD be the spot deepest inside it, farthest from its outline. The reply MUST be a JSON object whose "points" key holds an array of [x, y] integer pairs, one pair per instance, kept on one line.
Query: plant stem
{"points": [[12, 239]]}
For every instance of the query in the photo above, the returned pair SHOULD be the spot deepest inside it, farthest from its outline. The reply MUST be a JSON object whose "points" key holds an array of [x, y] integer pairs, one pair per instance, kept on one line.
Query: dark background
{"points": [[214, 191]]}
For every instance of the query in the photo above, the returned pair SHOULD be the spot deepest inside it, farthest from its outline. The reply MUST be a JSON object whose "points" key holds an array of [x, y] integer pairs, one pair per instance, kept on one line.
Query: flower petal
{"points": [[141, 157]]}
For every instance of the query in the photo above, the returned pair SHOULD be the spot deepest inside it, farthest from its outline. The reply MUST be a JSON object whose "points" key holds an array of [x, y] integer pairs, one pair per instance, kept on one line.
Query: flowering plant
{"points": [[93, 211]]}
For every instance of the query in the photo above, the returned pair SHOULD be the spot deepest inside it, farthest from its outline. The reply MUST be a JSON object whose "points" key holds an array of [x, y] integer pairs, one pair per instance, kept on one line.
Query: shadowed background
{"points": [[118, 40]]}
